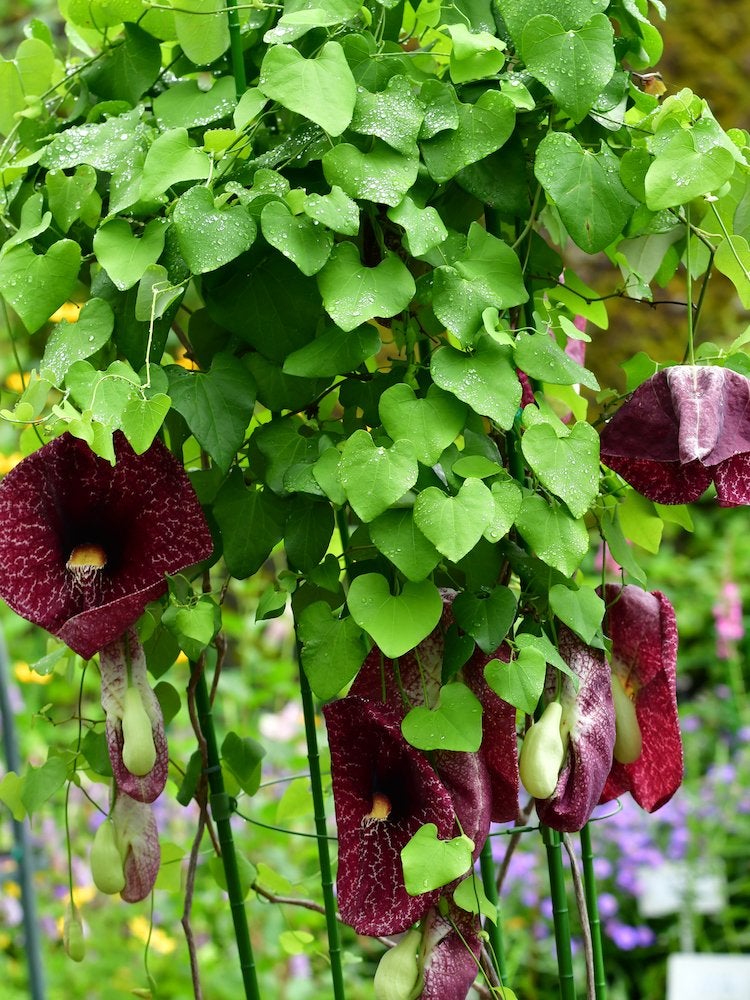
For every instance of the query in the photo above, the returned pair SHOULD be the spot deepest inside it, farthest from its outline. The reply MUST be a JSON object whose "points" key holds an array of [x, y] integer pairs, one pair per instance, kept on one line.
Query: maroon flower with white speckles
{"points": [[138, 843], [683, 429], [644, 659], [84, 546], [588, 717], [452, 950]]}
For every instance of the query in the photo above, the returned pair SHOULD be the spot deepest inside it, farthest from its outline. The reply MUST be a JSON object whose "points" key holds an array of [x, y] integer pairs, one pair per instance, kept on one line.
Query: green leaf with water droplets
{"points": [[396, 535], [333, 649], [396, 623], [555, 536], [454, 525], [170, 160], [431, 424], [429, 863], [482, 128], [485, 379], [394, 115], [455, 723], [381, 175], [125, 255], [35, 285], [71, 342], [304, 241], [375, 477], [568, 466], [209, 236], [353, 293]]}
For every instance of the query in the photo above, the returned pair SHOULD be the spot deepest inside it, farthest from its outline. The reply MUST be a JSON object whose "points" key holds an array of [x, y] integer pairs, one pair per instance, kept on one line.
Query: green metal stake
{"points": [[592, 906], [22, 851], [222, 812], [494, 930], [324, 858], [560, 913], [235, 48]]}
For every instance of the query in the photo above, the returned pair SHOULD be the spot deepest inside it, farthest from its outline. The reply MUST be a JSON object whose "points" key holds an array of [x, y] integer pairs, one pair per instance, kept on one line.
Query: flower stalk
{"points": [[221, 812]]}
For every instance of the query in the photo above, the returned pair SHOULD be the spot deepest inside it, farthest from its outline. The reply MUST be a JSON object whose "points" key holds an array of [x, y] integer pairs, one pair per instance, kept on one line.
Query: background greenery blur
{"points": [[703, 572]]}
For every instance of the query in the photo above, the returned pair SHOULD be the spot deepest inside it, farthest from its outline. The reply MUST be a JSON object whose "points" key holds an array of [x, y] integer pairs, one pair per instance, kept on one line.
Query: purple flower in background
{"points": [[84, 546], [681, 430], [728, 620]]}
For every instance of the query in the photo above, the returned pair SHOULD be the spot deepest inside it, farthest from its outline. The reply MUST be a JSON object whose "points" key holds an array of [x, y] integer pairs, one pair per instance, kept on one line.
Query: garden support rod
{"points": [[592, 907], [22, 850], [326, 877], [560, 913], [494, 929], [235, 44], [221, 812]]}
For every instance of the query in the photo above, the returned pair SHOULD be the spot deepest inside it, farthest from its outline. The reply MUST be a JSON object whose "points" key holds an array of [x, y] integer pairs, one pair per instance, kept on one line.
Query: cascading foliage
{"points": [[360, 230]]}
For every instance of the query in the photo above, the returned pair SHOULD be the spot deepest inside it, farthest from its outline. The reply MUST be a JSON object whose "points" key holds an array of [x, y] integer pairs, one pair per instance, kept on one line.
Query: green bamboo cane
{"points": [[494, 930], [222, 812], [592, 906], [560, 913], [326, 877], [235, 47]]}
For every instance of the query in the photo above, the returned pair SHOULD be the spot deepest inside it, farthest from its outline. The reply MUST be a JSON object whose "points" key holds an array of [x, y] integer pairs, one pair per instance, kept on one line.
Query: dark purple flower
{"points": [[135, 725], [138, 844], [588, 718], [643, 631], [682, 429], [84, 546], [452, 949], [384, 790]]}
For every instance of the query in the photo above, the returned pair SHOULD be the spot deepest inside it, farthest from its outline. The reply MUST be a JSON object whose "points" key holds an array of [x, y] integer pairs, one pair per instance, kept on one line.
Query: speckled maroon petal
{"points": [[732, 478], [138, 843], [499, 744], [643, 630], [467, 781], [590, 714], [662, 482], [645, 426], [368, 755], [143, 513], [113, 666], [453, 947]]}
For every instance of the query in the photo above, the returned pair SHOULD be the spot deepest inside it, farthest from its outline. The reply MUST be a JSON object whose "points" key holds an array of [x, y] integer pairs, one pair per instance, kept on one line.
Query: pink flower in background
{"points": [[728, 620]]}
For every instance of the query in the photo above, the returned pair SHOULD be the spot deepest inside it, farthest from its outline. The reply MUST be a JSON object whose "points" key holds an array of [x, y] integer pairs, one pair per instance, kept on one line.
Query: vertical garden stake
{"points": [[592, 906], [221, 812], [560, 913], [494, 929], [235, 43], [326, 877]]}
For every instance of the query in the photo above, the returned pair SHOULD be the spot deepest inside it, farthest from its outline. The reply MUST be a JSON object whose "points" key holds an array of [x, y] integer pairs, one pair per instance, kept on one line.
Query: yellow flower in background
{"points": [[185, 362], [8, 462], [160, 941], [25, 675], [68, 311], [17, 381]]}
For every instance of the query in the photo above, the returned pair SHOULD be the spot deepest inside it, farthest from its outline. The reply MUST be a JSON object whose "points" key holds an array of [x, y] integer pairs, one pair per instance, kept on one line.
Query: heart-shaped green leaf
{"points": [[335, 351], [487, 617], [299, 238], [429, 863], [485, 379], [733, 259], [394, 115], [483, 127], [125, 256], [454, 525], [209, 237], [454, 724], [36, 285], [690, 164], [539, 356], [396, 624], [568, 466], [431, 424], [375, 477], [574, 65], [171, 159], [381, 175], [333, 649], [322, 89], [507, 497], [519, 682], [399, 539], [582, 610], [65, 345], [353, 293], [557, 538]]}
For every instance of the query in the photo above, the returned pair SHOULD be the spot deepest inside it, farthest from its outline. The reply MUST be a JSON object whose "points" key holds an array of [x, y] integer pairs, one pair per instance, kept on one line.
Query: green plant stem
{"points": [[560, 913], [592, 907], [324, 858], [689, 289], [235, 48], [494, 930], [221, 812]]}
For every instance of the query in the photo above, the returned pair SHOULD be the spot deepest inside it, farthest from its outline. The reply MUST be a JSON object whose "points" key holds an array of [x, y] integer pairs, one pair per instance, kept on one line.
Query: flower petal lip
{"points": [[369, 756], [143, 513], [643, 630], [590, 715], [138, 844], [453, 949], [681, 429]]}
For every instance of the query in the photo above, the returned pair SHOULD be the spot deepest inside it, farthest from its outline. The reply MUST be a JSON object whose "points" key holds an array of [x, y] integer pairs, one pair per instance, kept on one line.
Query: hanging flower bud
{"points": [[73, 941], [138, 843], [398, 975], [138, 750], [106, 861], [543, 753], [628, 741]]}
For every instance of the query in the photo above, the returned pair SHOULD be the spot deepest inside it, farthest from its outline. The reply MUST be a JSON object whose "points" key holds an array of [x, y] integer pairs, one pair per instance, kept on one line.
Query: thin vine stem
{"points": [[592, 908], [324, 858], [689, 289], [560, 913], [221, 811]]}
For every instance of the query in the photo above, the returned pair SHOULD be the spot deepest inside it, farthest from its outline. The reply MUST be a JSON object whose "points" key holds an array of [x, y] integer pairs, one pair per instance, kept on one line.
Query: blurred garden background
{"points": [[704, 831]]}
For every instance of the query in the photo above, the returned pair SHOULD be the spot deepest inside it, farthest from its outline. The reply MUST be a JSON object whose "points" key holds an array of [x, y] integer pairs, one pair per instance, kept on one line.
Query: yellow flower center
{"points": [[85, 562], [380, 811]]}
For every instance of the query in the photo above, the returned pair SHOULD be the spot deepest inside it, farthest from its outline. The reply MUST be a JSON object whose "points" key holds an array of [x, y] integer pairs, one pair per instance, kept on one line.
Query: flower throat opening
{"points": [[381, 809], [86, 562]]}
